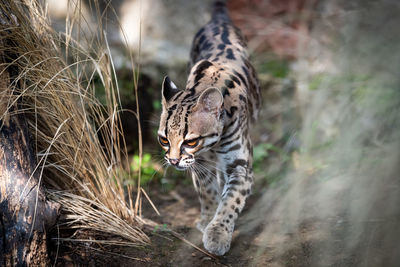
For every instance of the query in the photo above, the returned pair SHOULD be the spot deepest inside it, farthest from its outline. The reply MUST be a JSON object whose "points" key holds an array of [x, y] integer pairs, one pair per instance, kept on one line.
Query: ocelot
{"points": [[205, 127]]}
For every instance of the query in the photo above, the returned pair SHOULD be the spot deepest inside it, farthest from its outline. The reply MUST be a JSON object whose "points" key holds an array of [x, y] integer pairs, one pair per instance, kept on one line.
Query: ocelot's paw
{"points": [[203, 222], [217, 239]]}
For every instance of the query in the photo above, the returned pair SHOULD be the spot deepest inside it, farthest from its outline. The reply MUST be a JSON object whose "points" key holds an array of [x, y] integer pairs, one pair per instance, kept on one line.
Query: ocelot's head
{"points": [[190, 124]]}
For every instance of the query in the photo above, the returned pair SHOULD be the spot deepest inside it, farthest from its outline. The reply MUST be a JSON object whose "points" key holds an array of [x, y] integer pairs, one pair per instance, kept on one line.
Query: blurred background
{"points": [[327, 142]]}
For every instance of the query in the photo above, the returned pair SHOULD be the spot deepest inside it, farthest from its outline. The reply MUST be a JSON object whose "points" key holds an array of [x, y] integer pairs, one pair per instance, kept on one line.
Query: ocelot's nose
{"points": [[174, 161]]}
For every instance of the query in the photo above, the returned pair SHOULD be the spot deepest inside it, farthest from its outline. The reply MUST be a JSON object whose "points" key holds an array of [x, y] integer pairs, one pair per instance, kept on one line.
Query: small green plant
{"points": [[270, 161], [157, 105], [261, 152], [160, 228], [277, 68], [148, 170]]}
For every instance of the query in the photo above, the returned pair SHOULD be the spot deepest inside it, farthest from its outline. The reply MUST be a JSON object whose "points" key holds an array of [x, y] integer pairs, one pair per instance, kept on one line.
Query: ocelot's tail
{"points": [[220, 11]]}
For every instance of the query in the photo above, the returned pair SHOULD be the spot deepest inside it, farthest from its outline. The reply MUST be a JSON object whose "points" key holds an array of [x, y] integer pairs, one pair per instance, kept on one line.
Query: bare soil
{"points": [[179, 210]]}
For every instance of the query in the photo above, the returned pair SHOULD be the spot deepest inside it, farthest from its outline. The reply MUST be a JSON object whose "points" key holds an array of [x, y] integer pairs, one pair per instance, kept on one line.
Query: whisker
{"points": [[205, 168], [213, 165], [200, 176], [206, 173]]}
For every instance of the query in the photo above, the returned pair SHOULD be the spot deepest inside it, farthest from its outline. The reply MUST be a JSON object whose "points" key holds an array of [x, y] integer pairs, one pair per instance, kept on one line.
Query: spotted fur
{"points": [[205, 127]]}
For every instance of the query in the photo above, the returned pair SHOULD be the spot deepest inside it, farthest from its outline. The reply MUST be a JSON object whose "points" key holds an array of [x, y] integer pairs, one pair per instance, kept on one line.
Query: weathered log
{"points": [[25, 214]]}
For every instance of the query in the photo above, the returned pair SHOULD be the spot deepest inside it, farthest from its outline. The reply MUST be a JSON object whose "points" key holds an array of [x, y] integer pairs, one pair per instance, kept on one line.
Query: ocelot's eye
{"points": [[163, 141], [191, 143]]}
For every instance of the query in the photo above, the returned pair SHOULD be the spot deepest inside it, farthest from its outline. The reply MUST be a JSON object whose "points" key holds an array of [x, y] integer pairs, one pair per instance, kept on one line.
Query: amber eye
{"points": [[191, 143], [163, 141]]}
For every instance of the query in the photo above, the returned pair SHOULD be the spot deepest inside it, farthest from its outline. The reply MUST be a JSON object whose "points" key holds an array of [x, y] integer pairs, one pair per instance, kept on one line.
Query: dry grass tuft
{"points": [[65, 120]]}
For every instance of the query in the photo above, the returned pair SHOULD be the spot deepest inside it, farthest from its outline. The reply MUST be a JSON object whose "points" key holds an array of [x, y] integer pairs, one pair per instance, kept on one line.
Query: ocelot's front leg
{"points": [[238, 181], [208, 189]]}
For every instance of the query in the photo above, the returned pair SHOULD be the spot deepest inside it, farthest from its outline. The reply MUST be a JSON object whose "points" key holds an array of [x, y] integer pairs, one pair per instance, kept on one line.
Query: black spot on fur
{"points": [[200, 32], [216, 31], [192, 91], [212, 144], [237, 211], [230, 55], [202, 39], [225, 36], [233, 78], [230, 216], [229, 83], [235, 147], [186, 122], [225, 144], [240, 77], [237, 162], [224, 91], [170, 111], [233, 182], [233, 132], [238, 201], [208, 56], [172, 108], [246, 72], [206, 46], [220, 53], [243, 192], [242, 97], [232, 111], [177, 95], [200, 69], [221, 46]]}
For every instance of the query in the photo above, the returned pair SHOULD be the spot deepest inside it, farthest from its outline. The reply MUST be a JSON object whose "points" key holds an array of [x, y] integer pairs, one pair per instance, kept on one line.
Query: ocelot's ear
{"points": [[169, 89], [210, 100]]}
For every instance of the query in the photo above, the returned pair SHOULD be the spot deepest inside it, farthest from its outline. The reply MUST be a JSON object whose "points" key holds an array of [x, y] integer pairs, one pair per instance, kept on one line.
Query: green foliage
{"points": [[157, 105], [262, 151], [151, 172], [270, 161], [148, 170], [160, 228], [277, 68]]}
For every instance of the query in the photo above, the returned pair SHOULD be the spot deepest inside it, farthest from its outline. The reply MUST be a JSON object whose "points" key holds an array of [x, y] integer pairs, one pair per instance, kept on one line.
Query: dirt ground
{"points": [[179, 210]]}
